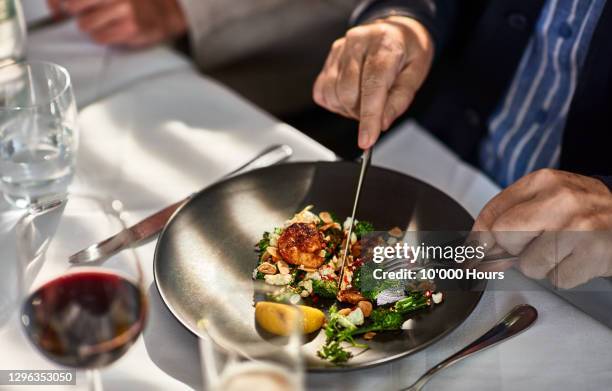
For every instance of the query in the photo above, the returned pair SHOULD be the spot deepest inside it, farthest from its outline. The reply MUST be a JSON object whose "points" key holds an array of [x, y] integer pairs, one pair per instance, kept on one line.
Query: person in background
{"points": [[248, 45], [520, 88]]}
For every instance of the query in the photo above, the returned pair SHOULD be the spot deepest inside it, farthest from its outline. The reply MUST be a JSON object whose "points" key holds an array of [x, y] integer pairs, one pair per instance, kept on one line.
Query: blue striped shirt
{"points": [[526, 130]]}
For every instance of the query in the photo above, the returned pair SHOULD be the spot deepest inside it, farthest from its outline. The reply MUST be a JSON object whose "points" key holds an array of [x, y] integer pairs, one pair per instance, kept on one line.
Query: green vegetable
{"points": [[334, 352], [384, 319], [370, 287], [325, 288], [414, 301], [336, 333], [263, 244], [363, 228]]}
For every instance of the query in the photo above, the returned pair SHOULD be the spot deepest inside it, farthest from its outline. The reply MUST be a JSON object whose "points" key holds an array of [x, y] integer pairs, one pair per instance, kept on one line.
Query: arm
{"points": [[373, 73]]}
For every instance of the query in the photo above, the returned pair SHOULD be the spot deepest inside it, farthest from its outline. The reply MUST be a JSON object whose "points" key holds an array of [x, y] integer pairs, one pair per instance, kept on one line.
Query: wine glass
{"points": [[234, 359], [84, 317], [38, 132]]}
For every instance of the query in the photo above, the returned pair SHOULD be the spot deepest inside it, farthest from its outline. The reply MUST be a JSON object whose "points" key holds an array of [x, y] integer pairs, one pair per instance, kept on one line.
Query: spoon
{"points": [[516, 321]]}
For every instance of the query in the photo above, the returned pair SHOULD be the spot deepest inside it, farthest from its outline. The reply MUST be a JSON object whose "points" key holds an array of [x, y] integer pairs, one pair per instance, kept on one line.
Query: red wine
{"points": [[85, 319]]}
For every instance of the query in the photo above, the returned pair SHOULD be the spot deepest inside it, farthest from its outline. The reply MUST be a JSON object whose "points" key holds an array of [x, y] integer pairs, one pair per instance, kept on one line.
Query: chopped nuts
{"points": [[283, 268], [326, 217], [273, 252], [326, 226], [265, 256], [345, 311], [396, 231], [307, 269], [366, 307], [267, 268], [369, 335]]}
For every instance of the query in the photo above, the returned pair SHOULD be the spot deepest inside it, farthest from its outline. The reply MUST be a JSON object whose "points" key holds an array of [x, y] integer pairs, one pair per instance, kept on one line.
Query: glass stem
{"points": [[94, 380]]}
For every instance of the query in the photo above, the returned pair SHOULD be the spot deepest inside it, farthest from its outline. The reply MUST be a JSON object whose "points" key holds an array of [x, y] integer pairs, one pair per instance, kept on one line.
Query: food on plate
{"points": [[302, 259], [279, 319]]}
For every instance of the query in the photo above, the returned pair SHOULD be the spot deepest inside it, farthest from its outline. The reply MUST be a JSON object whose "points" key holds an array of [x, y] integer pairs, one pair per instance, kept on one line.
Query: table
{"points": [[157, 133]]}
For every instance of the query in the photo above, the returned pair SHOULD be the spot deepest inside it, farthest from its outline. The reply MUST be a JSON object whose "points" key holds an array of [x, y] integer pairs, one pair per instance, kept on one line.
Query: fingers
{"points": [[347, 87], [520, 191], [117, 33], [324, 91], [379, 73], [401, 95], [101, 17], [74, 7], [573, 271], [540, 256], [55, 6]]}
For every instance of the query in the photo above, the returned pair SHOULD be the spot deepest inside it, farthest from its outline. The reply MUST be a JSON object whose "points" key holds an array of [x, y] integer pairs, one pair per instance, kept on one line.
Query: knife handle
{"points": [[152, 224]]}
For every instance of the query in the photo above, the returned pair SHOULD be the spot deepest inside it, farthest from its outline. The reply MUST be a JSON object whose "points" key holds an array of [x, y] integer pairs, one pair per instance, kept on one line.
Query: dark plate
{"points": [[208, 246]]}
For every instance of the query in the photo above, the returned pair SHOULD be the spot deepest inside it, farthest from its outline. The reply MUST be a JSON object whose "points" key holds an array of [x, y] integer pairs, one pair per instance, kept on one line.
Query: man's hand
{"points": [[373, 73], [133, 23], [558, 223]]}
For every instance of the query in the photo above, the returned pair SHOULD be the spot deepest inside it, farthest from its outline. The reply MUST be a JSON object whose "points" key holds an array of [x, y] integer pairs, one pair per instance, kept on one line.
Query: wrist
{"points": [[414, 31]]}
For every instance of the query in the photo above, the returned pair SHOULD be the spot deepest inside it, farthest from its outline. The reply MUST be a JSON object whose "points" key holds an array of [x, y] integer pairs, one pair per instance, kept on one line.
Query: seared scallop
{"points": [[301, 244]]}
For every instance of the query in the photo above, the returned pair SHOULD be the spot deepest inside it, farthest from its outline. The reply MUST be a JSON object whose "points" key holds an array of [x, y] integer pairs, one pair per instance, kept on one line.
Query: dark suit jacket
{"points": [[479, 44]]}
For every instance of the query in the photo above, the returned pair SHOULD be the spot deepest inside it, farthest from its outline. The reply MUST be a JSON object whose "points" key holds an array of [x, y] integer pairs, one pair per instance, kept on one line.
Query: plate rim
{"points": [[337, 368]]}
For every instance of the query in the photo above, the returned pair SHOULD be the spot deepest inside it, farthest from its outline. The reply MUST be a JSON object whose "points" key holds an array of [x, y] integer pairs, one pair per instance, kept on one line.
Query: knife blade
{"points": [[365, 163], [152, 224]]}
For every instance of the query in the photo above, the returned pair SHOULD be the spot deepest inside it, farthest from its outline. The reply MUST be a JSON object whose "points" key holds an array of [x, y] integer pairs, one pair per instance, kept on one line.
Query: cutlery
{"points": [[152, 224], [365, 163], [516, 321]]}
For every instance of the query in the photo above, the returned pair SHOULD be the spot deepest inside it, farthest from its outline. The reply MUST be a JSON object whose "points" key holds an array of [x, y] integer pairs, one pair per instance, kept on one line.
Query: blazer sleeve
{"points": [[436, 15]]}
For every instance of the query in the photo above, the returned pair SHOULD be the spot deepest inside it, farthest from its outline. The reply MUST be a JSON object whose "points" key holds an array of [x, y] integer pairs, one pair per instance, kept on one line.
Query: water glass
{"points": [[38, 133], [234, 359]]}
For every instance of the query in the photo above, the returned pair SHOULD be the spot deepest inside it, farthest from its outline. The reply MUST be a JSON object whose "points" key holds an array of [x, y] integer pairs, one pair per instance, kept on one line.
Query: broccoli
{"points": [[363, 228], [415, 301], [370, 287], [383, 319], [325, 288]]}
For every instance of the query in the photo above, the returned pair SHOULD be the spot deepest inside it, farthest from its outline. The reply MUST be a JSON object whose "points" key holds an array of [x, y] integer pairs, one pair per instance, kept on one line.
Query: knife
{"points": [[365, 163], [151, 225]]}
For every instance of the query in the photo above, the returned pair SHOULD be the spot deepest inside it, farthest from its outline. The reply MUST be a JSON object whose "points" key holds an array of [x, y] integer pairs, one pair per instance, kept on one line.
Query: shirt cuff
{"points": [[422, 10]]}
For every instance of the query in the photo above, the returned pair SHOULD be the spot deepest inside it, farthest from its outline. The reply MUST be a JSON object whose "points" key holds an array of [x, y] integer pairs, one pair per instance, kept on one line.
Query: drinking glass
{"points": [[234, 359], [38, 132], [82, 317]]}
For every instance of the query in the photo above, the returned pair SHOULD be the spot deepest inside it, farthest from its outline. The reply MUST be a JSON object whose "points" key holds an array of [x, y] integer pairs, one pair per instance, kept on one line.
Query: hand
{"points": [[373, 73], [132, 23], [558, 223]]}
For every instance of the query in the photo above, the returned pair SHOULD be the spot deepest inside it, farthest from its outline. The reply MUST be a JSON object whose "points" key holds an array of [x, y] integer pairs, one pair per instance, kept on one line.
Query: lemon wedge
{"points": [[279, 319]]}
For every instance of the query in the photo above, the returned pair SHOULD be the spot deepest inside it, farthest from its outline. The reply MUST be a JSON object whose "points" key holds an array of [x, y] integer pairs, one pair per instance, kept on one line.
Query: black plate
{"points": [[207, 247]]}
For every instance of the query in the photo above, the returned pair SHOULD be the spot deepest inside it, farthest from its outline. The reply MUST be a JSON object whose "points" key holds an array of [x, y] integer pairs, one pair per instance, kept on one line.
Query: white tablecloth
{"points": [[172, 132]]}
